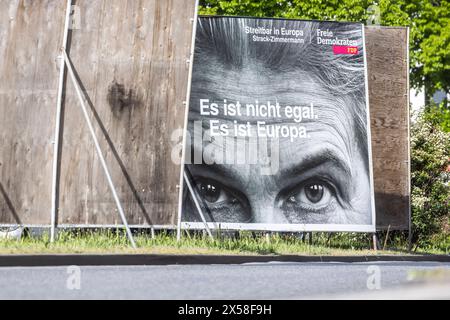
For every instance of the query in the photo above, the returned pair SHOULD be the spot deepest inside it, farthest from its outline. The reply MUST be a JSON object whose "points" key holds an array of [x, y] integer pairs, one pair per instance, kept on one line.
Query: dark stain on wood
{"points": [[121, 99]]}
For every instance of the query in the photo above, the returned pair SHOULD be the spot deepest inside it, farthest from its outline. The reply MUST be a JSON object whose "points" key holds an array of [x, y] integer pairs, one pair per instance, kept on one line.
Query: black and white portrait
{"points": [[277, 135]]}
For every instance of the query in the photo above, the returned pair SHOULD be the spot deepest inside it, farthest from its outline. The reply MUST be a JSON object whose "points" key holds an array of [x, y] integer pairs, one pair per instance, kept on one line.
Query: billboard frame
{"points": [[370, 228]]}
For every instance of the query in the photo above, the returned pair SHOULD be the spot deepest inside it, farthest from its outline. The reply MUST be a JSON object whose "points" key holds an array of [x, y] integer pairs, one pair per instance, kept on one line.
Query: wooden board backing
{"points": [[388, 69], [30, 36], [131, 58]]}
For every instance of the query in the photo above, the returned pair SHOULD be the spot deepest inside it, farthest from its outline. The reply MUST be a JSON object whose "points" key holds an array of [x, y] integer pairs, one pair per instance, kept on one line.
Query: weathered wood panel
{"points": [[131, 58], [30, 36], [387, 52]]}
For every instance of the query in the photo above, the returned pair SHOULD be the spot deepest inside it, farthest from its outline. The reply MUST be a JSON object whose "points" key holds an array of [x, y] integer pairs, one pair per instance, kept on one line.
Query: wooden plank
{"points": [[388, 94], [30, 36]]}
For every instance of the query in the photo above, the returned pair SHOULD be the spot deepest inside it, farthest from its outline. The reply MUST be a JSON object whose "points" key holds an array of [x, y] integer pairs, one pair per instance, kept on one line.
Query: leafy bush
{"points": [[430, 177], [439, 115]]}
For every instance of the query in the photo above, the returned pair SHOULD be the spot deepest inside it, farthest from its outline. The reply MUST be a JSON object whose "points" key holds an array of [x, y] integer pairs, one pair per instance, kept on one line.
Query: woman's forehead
{"points": [[254, 80], [256, 83]]}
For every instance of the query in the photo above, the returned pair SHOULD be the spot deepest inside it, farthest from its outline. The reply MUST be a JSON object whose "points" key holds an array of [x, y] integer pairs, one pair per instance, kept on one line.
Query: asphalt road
{"points": [[248, 281]]}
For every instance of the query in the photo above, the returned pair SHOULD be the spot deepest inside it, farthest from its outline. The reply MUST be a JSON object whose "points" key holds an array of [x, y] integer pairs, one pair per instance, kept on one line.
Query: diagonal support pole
{"points": [[97, 147], [197, 204]]}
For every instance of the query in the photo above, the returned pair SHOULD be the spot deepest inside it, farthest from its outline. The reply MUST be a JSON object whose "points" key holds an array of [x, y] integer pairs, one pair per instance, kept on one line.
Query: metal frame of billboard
{"points": [[409, 143]]}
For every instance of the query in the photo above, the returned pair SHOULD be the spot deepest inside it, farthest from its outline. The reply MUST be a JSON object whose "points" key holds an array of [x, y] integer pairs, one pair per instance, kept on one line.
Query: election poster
{"points": [[278, 130]]}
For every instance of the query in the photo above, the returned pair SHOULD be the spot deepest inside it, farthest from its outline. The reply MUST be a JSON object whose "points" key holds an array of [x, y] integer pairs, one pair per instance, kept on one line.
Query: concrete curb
{"points": [[149, 259]]}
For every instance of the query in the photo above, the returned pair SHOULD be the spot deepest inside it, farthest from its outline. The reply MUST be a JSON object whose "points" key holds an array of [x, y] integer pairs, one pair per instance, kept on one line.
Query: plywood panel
{"points": [[30, 36], [131, 58], [389, 111]]}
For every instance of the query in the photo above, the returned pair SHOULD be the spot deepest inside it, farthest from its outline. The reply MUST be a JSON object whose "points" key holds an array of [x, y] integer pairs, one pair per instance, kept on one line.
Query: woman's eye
{"points": [[314, 194], [212, 191], [223, 204]]}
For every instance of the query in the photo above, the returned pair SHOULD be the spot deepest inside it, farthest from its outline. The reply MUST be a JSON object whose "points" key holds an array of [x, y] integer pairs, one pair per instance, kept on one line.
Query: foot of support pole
{"points": [[153, 233], [375, 242]]}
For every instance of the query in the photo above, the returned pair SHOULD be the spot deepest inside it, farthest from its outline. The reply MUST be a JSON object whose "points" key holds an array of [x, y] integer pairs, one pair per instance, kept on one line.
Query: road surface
{"points": [[247, 281]]}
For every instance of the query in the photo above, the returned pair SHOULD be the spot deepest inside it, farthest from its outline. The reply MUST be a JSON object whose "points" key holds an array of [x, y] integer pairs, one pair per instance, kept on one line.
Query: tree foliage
{"points": [[429, 23], [439, 115]]}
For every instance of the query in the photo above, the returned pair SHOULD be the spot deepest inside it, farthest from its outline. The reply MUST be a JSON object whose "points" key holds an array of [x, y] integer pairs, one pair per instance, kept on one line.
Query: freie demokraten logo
{"points": [[339, 45]]}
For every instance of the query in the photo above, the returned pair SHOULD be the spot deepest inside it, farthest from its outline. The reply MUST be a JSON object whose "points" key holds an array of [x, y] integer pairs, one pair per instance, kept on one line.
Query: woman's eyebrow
{"points": [[225, 174], [317, 159]]}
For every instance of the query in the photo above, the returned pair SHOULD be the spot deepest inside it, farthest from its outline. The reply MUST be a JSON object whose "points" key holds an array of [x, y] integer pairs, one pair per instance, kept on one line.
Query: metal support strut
{"points": [[97, 147], [197, 204]]}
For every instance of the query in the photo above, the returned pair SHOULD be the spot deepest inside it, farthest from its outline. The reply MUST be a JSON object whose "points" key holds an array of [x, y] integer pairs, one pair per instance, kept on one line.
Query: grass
{"points": [[164, 242]]}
